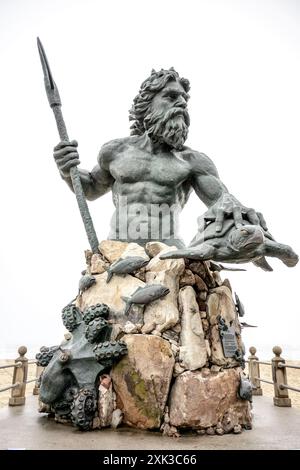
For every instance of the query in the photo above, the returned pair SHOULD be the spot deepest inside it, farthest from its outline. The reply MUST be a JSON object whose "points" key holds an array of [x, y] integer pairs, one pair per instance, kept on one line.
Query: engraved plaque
{"points": [[229, 342]]}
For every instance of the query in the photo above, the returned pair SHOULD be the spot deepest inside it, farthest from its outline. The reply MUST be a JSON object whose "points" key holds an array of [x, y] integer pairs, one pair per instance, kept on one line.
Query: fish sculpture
{"points": [[145, 295], [246, 325], [126, 266], [239, 306], [86, 281]]}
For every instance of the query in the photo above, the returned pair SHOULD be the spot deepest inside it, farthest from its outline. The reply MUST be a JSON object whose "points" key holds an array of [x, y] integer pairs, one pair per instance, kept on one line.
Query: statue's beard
{"points": [[171, 127]]}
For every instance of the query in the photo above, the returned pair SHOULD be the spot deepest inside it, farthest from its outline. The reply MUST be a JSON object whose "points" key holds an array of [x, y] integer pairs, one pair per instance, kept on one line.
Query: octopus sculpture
{"points": [[69, 383]]}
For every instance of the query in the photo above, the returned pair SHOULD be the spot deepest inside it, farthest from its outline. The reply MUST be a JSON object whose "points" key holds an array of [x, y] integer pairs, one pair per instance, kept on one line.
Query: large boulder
{"points": [[98, 265], [133, 249], [154, 248], [192, 353], [112, 250], [142, 380], [203, 400], [163, 313]]}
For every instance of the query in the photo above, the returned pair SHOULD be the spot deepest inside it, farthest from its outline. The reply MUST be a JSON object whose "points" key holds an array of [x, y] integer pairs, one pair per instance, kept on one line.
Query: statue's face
{"points": [[168, 119], [172, 95]]}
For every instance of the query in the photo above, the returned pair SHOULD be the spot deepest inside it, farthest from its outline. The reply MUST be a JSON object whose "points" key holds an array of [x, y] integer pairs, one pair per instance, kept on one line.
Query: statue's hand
{"points": [[66, 156], [228, 205]]}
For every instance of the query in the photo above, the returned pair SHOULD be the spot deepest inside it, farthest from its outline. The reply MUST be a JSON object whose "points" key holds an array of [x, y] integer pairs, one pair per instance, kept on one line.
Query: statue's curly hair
{"points": [[148, 90]]}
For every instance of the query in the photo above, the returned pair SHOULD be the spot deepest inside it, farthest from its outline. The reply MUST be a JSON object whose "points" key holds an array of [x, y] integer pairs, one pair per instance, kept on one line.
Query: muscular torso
{"points": [[149, 191], [147, 178], [150, 186]]}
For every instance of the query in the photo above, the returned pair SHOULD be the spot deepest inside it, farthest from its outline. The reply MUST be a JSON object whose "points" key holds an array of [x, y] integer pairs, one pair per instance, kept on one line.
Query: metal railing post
{"points": [[19, 377], [281, 397], [254, 373], [39, 370]]}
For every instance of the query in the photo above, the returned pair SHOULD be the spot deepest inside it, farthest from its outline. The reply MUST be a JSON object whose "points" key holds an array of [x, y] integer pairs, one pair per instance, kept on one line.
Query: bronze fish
{"points": [[126, 266], [145, 295]]}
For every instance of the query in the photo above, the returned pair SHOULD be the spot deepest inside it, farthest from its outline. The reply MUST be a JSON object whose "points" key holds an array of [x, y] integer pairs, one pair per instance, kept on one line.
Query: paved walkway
{"points": [[22, 427]]}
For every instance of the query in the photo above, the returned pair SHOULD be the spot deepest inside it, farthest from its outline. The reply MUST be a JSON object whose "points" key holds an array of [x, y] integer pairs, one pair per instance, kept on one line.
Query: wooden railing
{"points": [[19, 379], [279, 376]]}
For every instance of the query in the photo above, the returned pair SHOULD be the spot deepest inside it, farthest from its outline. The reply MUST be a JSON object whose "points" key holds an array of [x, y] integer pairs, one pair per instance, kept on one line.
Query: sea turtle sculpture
{"points": [[236, 245]]}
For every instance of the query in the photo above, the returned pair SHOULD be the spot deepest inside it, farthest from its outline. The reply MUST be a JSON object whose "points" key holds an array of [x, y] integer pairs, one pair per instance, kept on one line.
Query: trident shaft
{"points": [[55, 104]]}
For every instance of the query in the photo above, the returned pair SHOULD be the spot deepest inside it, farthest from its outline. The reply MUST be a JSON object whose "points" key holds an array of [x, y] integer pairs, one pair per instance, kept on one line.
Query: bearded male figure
{"points": [[151, 173]]}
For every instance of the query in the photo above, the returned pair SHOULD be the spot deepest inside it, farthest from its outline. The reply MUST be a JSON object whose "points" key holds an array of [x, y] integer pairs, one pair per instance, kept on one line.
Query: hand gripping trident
{"points": [[55, 104]]}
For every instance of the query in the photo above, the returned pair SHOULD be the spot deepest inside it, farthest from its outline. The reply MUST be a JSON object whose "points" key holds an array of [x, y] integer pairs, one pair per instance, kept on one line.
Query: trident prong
{"points": [[50, 85], [55, 104]]}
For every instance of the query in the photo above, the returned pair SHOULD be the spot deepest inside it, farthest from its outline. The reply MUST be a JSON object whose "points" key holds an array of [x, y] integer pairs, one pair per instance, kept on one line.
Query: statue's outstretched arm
{"points": [[215, 195], [95, 183]]}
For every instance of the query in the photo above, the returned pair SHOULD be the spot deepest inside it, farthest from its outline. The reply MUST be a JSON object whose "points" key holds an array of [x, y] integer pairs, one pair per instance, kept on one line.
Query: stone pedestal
{"points": [[176, 372]]}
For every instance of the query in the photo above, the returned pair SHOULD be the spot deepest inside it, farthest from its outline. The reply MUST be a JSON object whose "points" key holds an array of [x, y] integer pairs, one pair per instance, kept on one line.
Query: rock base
{"points": [[205, 400], [176, 374]]}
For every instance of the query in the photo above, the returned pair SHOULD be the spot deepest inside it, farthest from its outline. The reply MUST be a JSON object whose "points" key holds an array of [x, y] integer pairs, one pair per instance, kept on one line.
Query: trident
{"points": [[55, 104]]}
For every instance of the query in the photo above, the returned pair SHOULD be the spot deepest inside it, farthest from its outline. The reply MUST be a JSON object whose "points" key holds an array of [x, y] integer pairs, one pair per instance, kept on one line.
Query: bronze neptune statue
{"points": [[152, 173], [151, 336]]}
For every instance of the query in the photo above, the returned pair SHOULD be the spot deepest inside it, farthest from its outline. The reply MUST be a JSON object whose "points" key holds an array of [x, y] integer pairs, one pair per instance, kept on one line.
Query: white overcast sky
{"points": [[243, 61]]}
